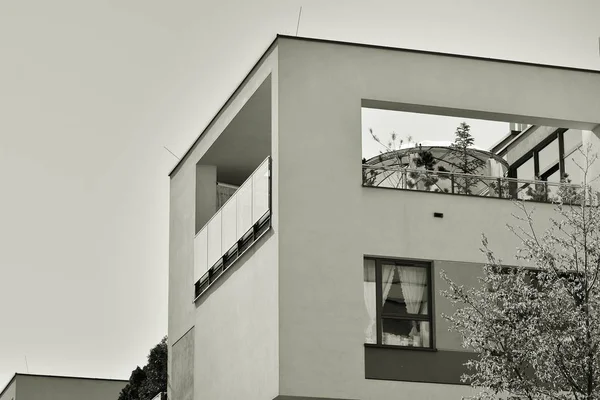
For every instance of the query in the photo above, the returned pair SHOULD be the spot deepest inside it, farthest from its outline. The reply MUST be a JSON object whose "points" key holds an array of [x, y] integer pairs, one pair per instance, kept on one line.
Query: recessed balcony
{"points": [[242, 219]]}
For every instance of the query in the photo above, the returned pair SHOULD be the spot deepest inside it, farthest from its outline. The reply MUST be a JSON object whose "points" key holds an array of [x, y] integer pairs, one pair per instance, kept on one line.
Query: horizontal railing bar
{"points": [[210, 277]]}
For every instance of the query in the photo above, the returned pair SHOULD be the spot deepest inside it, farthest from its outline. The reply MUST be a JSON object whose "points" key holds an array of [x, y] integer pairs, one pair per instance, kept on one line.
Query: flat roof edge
{"points": [[366, 45], [438, 53], [227, 103], [89, 378]]}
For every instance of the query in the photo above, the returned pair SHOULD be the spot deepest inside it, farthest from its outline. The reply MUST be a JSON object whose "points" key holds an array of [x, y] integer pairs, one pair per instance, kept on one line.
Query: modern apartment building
{"points": [[46, 387], [299, 272]]}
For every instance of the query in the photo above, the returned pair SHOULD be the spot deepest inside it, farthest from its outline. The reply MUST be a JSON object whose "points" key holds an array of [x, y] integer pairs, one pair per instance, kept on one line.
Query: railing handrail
{"points": [[248, 179], [460, 174], [229, 185]]}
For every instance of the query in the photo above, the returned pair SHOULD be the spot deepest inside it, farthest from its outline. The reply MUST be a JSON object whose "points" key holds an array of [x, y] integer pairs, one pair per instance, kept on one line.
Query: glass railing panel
{"points": [[229, 224], [260, 191], [244, 207], [214, 239], [467, 184]]}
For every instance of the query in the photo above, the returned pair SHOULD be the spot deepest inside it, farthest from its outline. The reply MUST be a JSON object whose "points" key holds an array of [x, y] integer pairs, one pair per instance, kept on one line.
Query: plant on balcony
{"points": [[425, 178], [568, 193], [394, 143], [538, 191], [535, 328], [463, 161]]}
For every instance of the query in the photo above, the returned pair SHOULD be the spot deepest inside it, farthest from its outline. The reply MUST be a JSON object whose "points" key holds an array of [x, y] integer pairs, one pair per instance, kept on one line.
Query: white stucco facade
{"points": [[287, 321]]}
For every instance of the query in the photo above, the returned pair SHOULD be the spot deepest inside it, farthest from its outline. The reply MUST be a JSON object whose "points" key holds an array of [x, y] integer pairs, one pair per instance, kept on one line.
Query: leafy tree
{"points": [[131, 390], [156, 372], [536, 327], [145, 383], [463, 160]]}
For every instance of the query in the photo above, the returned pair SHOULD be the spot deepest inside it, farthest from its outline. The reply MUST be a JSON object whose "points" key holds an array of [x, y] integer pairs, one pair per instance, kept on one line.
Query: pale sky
{"points": [[421, 127], [91, 91]]}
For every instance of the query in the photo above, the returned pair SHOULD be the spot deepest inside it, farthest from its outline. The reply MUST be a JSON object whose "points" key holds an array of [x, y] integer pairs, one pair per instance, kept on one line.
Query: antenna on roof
{"points": [[298, 24], [26, 364], [173, 154]]}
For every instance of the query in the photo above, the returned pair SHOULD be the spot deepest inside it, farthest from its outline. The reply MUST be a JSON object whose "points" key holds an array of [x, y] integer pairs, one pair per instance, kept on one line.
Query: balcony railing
{"points": [[467, 184], [244, 217]]}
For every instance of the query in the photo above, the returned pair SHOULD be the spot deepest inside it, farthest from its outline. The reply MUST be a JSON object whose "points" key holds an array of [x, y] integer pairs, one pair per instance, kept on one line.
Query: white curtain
{"points": [[387, 277], [370, 300], [413, 280], [370, 332]]}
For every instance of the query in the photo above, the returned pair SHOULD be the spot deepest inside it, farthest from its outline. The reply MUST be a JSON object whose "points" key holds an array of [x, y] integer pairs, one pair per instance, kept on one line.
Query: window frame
{"points": [[533, 153], [380, 315]]}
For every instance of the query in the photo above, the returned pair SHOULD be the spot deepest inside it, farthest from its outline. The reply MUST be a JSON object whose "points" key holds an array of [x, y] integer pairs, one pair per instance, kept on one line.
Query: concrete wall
{"points": [[182, 226], [328, 222], [206, 194], [236, 322], [528, 142], [240, 318], [466, 274], [9, 392], [181, 376], [31, 387], [236, 332]]}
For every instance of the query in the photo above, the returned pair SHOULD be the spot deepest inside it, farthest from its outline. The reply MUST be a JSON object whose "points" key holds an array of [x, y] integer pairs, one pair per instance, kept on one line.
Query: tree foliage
{"points": [[536, 327], [145, 383], [464, 161]]}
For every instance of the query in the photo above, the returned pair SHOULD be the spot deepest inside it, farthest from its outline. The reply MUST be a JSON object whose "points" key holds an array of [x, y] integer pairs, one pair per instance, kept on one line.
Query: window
{"points": [[548, 157], [398, 302], [526, 170]]}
